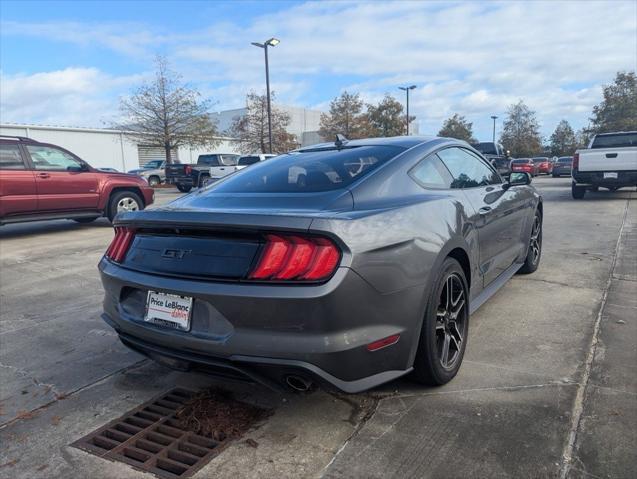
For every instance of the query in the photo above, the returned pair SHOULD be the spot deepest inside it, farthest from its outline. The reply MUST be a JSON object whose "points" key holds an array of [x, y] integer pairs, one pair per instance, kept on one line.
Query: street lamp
{"points": [[406, 90], [272, 42], [494, 118]]}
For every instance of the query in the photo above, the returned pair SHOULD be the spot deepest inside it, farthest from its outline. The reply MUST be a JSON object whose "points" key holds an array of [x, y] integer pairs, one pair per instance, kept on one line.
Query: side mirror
{"points": [[78, 169], [518, 179]]}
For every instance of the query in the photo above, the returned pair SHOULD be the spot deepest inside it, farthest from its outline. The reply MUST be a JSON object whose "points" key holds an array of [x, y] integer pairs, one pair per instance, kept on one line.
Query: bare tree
{"points": [[168, 114], [251, 129]]}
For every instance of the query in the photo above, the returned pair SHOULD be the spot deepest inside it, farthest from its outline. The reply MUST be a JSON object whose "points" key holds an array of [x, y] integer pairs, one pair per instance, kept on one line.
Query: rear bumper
{"points": [[596, 178], [265, 333]]}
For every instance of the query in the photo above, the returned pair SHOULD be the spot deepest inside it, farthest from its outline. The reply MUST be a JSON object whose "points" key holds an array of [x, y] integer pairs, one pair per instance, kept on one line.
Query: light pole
{"points": [[494, 118], [406, 90], [272, 42]]}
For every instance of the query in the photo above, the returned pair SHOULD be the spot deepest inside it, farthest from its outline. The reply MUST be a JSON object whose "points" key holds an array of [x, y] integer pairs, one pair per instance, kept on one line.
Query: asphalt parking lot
{"points": [[548, 387]]}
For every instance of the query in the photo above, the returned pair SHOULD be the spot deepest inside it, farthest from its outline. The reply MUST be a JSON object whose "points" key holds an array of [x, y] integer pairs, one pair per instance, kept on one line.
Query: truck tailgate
{"points": [[608, 159]]}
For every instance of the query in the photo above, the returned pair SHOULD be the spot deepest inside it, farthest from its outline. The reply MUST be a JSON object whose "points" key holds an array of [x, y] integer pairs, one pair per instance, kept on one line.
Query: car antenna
{"points": [[340, 141]]}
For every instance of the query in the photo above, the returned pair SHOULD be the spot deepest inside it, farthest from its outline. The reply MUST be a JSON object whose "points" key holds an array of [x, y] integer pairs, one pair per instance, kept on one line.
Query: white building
{"points": [[302, 121], [104, 148]]}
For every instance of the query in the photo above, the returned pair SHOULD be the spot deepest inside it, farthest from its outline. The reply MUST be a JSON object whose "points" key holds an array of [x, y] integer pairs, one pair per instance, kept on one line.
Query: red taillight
{"points": [[120, 244], [187, 169], [575, 164], [296, 258]]}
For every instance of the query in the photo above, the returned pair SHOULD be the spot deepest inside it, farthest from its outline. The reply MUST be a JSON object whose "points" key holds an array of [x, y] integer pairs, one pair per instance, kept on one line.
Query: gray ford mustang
{"points": [[348, 264]]}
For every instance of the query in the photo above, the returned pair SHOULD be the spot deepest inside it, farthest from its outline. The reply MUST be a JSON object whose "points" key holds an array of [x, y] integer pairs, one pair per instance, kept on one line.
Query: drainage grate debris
{"points": [[174, 434]]}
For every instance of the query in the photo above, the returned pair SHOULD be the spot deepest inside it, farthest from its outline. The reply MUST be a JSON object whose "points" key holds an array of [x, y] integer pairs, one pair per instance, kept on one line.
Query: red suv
{"points": [[39, 181]]}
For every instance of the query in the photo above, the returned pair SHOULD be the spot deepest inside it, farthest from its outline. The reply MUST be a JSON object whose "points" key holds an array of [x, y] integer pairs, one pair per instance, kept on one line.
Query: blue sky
{"points": [[68, 63]]}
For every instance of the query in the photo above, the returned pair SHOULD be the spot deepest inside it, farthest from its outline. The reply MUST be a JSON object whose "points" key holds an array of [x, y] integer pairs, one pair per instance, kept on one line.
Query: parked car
{"points": [[544, 165], [359, 268], [216, 165], [610, 162], [562, 166], [41, 181], [497, 156], [248, 160], [524, 165], [154, 172]]}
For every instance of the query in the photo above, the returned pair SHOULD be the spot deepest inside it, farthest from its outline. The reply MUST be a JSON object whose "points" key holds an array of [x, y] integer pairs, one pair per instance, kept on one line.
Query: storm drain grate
{"points": [[151, 439]]}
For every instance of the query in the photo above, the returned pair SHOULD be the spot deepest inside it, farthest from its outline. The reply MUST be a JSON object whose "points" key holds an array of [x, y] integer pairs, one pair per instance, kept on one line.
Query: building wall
{"points": [[102, 148]]}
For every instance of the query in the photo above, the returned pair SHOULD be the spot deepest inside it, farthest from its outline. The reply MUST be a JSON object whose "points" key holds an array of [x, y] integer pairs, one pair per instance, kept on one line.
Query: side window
{"points": [[431, 173], [51, 159], [468, 170], [229, 160], [10, 158]]}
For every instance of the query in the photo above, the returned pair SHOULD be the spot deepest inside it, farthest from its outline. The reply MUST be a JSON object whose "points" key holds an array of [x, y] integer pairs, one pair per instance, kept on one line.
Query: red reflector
{"points": [[383, 343], [122, 241], [188, 169], [575, 164], [273, 258], [296, 258]]}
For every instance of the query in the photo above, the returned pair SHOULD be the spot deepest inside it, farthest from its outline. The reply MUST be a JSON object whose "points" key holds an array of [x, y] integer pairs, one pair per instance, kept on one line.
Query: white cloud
{"points": [[69, 97], [474, 58]]}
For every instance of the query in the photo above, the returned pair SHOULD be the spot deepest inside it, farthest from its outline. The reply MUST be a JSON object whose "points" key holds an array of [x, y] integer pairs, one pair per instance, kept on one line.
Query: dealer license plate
{"points": [[169, 310], [612, 175]]}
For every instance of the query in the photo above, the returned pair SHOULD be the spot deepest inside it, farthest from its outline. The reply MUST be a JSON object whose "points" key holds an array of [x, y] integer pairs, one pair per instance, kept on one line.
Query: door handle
{"points": [[44, 175], [485, 210], [611, 155]]}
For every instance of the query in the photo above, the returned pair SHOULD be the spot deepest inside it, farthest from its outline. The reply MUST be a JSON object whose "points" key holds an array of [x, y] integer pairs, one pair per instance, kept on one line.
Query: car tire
{"points": [[124, 201], [555, 176], [202, 180], [534, 250], [184, 188], [577, 191], [154, 181], [85, 220], [443, 329]]}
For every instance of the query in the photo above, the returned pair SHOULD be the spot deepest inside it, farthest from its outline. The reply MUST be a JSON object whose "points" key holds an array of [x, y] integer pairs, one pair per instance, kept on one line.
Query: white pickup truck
{"points": [[610, 162]]}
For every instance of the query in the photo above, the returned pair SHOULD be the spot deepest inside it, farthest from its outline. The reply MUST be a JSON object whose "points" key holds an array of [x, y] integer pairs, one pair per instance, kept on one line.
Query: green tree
{"points": [[457, 127], [251, 130], [618, 110], [386, 119], [168, 114], [563, 141], [521, 131], [345, 117]]}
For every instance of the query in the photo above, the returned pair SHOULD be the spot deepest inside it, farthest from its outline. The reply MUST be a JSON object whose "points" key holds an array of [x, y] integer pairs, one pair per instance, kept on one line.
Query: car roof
{"points": [[400, 141]]}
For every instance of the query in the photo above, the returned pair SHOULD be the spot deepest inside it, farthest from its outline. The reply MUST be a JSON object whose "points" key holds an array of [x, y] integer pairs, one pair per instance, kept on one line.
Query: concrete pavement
{"points": [[547, 388]]}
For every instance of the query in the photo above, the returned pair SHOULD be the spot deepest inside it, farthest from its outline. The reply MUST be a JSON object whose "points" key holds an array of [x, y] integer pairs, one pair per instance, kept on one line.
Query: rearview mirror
{"points": [[518, 179]]}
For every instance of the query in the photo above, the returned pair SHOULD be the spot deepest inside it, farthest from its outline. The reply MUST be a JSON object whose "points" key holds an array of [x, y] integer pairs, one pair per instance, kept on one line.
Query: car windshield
{"points": [[308, 171], [153, 164], [615, 140], [487, 148]]}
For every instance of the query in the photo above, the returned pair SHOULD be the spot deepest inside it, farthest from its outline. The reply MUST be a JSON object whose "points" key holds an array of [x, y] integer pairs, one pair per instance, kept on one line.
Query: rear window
{"points": [[209, 160], [518, 162], [616, 140], [540, 159], [486, 148], [248, 160], [10, 158], [565, 159], [308, 171]]}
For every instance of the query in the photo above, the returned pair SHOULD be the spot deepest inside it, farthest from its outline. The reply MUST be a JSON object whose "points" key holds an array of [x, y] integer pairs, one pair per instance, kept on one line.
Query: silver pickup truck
{"points": [[610, 161]]}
